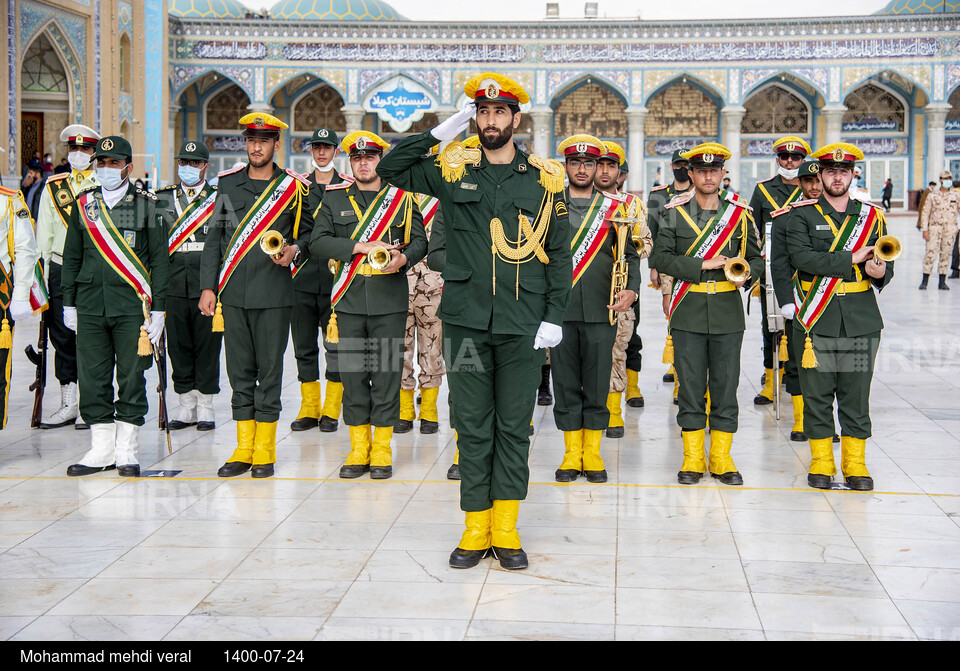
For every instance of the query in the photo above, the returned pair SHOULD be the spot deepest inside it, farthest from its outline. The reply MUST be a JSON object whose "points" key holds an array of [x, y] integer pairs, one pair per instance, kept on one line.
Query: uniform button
{"points": [[498, 187]]}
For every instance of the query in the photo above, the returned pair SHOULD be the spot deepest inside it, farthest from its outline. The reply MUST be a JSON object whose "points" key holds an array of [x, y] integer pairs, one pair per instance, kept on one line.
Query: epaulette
{"points": [[230, 171], [303, 179], [660, 188], [57, 177], [879, 207], [168, 187], [4, 191], [341, 185], [801, 203], [346, 178], [619, 197], [146, 194], [737, 200], [679, 199], [89, 189], [551, 173], [760, 181], [782, 210], [454, 159]]}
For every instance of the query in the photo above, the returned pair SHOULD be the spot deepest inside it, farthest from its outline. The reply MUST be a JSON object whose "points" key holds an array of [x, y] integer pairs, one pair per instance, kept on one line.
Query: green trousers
{"points": [[791, 369], [255, 342], [193, 347], [844, 372], [105, 344], [308, 326], [580, 366], [370, 354], [701, 359], [635, 346], [493, 382]]}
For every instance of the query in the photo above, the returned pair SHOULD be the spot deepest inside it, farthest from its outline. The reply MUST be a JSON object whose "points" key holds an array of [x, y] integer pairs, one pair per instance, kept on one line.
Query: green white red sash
{"points": [[853, 235], [375, 222], [429, 205], [588, 241], [712, 240], [108, 240], [278, 195], [191, 219]]}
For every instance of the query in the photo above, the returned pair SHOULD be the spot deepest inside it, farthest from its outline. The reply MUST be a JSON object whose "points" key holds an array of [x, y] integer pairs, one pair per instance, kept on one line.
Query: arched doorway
{"points": [[319, 107], [877, 120], [591, 108], [44, 100], [221, 132]]}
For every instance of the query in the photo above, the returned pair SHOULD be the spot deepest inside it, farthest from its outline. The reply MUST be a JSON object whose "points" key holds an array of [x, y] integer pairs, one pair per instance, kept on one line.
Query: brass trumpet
{"points": [[378, 258], [737, 269], [633, 224], [618, 280], [272, 244], [887, 248]]}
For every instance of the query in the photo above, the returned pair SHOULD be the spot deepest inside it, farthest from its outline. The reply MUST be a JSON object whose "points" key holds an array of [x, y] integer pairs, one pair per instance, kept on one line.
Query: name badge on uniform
{"points": [[130, 237], [823, 227], [347, 213], [468, 186]]}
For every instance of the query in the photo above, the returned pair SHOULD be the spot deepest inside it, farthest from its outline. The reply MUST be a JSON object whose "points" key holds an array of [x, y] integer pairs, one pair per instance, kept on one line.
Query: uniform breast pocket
{"points": [[469, 199], [822, 238], [345, 225], [529, 207]]}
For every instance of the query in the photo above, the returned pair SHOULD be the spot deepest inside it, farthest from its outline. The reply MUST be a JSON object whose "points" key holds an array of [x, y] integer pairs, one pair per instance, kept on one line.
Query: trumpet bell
{"points": [[272, 243], [378, 258], [887, 248], [737, 269]]}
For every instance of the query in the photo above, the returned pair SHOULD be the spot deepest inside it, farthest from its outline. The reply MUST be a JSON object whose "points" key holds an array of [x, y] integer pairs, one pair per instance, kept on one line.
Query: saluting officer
{"points": [[506, 285], [699, 232], [116, 267], [56, 207], [193, 346], [250, 292], [313, 282]]}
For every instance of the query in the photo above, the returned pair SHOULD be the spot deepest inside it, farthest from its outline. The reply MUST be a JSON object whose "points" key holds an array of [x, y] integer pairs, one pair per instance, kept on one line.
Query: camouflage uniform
{"points": [[423, 326], [939, 217]]}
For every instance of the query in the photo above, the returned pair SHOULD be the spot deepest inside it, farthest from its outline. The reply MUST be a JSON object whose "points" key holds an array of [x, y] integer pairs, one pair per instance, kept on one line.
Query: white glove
{"points": [[789, 311], [155, 328], [20, 310], [452, 128], [70, 318], [548, 335]]}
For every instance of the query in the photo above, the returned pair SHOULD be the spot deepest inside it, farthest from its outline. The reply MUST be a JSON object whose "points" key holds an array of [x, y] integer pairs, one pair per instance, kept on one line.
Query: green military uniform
{"points": [[193, 345], [845, 337], [707, 325]]}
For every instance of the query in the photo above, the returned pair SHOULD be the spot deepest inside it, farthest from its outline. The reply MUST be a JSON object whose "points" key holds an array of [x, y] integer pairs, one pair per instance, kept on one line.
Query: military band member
{"points": [[769, 196], [56, 207], [116, 270], [193, 346], [313, 283], [250, 293], [938, 221], [506, 285], [369, 300], [699, 232], [838, 323], [583, 360], [18, 262]]}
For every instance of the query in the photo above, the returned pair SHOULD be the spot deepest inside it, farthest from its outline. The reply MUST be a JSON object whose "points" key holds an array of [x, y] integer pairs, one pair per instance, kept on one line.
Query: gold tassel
{"points": [[333, 333], [143, 345], [218, 318], [784, 354], [668, 350], [551, 176], [6, 336], [809, 356]]}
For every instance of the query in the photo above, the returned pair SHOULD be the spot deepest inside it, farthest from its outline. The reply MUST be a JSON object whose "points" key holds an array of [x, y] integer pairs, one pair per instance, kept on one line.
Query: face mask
{"points": [[326, 168], [947, 184], [188, 174], [681, 174], [787, 174], [79, 161], [110, 178]]}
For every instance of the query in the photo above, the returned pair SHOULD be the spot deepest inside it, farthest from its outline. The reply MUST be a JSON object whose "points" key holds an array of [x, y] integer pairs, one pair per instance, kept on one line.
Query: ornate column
{"points": [[832, 116], [732, 116], [169, 173], [542, 118], [636, 118], [353, 115], [936, 130]]}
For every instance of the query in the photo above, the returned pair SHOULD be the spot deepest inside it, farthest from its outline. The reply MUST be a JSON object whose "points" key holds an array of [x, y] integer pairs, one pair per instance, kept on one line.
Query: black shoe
{"points": [[426, 426], [668, 377], [353, 471], [57, 426], [453, 473], [304, 424], [80, 469], [81, 426], [635, 402], [129, 471], [760, 399], [955, 275], [797, 436], [615, 432], [818, 481], [689, 477], [176, 424], [731, 478], [861, 483], [676, 401], [943, 284], [232, 468], [328, 424], [566, 475], [403, 426], [467, 558], [596, 476], [381, 472], [206, 426], [262, 471], [544, 397], [923, 284], [531, 429], [512, 560]]}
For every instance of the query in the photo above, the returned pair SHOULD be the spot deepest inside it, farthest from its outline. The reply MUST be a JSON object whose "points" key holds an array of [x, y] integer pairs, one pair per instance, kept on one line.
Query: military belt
{"points": [[367, 270], [712, 287], [844, 287]]}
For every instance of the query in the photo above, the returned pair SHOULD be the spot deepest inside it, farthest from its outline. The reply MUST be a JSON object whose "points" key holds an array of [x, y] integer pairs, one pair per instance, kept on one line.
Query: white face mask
{"points": [[79, 161], [327, 168], [110, 178], [188, 174], [787, 174]]}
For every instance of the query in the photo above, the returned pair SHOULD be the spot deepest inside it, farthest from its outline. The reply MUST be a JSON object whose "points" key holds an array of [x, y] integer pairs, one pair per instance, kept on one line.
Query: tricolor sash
{"points": [[191, 219], [428, 208], [853, 235], [588, 241], [278, 195], [713, 239], [373, 224], [113, 248]]}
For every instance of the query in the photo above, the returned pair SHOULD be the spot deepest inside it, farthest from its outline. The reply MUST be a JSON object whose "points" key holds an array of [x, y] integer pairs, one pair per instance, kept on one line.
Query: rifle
{"points": [[38, 359], [160, 356]]}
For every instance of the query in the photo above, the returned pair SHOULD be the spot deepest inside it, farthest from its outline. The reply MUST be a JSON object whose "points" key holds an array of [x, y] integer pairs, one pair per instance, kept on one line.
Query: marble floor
{"points": [[305, 555]]}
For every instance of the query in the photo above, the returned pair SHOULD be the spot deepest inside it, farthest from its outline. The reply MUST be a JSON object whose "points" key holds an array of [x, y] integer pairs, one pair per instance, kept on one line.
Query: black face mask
{"points": [[681, 174]]}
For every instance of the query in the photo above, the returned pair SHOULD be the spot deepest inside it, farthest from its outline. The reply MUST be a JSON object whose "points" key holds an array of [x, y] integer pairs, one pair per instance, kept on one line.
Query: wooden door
{"points": [[31, 135]]}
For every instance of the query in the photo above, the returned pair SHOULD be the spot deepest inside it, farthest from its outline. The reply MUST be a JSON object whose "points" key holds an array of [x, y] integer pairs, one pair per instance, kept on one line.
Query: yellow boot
{"points": [[592, 461], [242, 457], [475, 542], [453, 473], [721, 463], [615, 425], [853, 463], [381, 464], [358, 461], [634, 397], [694, 457], [408, 412], [572, 457], [264, 450], [765, 397], [822, 465], [429, 419], [330, 412], [796, 434], [309, 415], [505, 540]]}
